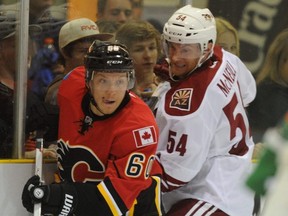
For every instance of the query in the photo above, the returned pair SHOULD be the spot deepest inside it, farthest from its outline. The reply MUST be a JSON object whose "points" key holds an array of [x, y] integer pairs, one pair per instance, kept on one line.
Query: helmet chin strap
{"points": [[96, 106], [92, 100]]}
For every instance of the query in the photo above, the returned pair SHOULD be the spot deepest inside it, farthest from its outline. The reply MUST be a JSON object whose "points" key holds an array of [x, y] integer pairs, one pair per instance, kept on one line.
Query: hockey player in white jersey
{"points": [[205, 145]]}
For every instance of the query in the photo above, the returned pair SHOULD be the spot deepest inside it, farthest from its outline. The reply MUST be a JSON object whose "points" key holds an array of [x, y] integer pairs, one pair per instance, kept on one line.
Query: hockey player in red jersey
{"points": [[107, 142], [205, 146]]}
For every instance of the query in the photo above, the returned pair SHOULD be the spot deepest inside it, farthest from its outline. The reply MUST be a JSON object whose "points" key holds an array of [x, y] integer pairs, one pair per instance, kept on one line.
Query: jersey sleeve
{"points": [[132, 155], [104, 200], [69, 97], [247, 83], [130, 164], [135, 195], [185, 153]]}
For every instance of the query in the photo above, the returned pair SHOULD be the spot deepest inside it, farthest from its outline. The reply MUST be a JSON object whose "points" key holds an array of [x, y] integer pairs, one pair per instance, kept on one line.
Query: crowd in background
{"points": [[53, 54]]}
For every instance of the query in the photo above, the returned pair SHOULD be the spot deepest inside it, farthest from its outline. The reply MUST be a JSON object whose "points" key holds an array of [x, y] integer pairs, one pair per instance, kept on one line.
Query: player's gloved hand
{"points": [[28, 191], [54, 198]]}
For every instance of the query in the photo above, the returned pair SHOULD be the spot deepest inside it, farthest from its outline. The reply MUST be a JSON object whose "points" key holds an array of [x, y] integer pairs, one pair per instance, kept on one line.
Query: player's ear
{"points": [[88, 85], [210, 45], [209, 48]]}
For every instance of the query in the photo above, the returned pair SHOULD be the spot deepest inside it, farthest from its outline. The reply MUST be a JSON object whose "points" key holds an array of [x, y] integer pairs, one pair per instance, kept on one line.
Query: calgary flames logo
{"points": [[181, 99]]}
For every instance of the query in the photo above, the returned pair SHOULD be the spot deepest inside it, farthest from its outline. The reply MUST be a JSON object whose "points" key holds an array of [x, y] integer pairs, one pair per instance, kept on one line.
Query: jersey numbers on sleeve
{"points": [[236, 121], [180, 146], [136, 163]]}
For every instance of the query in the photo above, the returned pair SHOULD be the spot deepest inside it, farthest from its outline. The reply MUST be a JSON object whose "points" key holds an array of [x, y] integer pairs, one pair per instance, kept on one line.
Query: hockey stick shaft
{"points": [[38, 170]]}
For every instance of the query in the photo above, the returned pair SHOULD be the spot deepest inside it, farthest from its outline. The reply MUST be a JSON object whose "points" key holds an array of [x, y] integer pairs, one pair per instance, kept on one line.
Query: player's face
{"points": [[227, 41], [108, 90], [118, 10], [183, 57]]}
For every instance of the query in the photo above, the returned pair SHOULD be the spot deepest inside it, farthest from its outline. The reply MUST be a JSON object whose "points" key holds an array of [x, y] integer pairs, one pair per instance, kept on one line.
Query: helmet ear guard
{"points": [[109, 57], [131, 79]]}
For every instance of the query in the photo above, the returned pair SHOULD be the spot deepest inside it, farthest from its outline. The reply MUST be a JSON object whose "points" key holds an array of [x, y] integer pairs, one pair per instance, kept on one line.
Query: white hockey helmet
{"points": [[190, 25]]}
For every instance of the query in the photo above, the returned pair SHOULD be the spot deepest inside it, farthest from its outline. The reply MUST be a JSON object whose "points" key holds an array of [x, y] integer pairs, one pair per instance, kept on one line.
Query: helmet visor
{"points": [[113, 81], [182, 51], [183, 59]]}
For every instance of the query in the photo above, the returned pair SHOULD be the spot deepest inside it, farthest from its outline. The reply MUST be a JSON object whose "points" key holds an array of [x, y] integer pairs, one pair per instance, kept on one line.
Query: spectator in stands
{"points": [[143, 43], [108, 26], [117, 10], [38, 8], [271, 102], [73, 45], [39, 116], [227, 36]]}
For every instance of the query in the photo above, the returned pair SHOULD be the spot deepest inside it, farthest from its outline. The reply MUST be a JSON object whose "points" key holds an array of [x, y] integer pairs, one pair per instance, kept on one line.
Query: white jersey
{"points": [[205, 144]]}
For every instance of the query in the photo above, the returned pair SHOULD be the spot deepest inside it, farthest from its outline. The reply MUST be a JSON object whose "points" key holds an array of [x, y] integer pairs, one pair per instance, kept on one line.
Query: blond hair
{"points": [[138, 30], [223, 25], [270, 68]]}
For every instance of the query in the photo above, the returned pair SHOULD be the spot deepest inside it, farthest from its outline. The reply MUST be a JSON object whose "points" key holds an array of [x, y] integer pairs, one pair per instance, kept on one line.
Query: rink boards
{"points": [[14, 174]]}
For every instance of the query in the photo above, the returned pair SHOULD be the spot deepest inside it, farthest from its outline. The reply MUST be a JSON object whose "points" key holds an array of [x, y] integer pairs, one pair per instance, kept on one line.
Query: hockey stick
{"points": [[38, 170]]}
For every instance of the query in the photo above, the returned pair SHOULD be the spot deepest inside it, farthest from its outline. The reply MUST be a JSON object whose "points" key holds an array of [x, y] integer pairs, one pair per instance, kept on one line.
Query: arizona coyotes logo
{"points": [[181, 99]]}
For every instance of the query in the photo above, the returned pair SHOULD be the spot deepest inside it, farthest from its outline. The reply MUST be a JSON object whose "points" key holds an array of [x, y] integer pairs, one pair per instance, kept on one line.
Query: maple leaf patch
{"points": [[145, 136]]}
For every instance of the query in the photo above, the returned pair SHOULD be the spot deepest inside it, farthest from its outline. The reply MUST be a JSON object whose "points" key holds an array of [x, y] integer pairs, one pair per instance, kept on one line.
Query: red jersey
{"points": [[114, 152]]}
